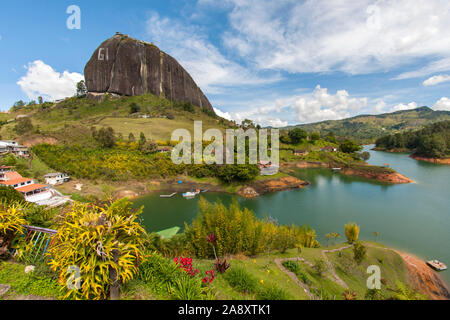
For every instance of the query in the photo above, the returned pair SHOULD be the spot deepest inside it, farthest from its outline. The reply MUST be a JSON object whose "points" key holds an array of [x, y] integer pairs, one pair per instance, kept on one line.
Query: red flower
{"points": [[211, 238]]}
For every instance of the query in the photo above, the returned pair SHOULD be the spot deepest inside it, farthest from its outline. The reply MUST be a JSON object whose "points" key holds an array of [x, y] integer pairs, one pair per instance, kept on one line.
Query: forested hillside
{"points": [[433, 141]]}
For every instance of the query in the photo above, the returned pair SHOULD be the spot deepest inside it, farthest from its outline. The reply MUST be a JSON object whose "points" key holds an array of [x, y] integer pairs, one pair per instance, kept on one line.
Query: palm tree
{"points": [[335, 235], [328, 236], [352, 232], [376, 234]]}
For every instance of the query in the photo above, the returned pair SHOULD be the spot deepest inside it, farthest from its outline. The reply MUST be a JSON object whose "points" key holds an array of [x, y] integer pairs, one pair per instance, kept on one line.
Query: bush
{"points": [[10, 195], [291, 266], [272, 293], [359, 252], [166, 279], [240, 232], [241, 280], [12, 218], [101, 241]]}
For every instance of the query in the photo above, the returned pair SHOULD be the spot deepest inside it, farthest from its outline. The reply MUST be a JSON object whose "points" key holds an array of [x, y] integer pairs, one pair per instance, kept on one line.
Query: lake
{"points": [[414, 218]]}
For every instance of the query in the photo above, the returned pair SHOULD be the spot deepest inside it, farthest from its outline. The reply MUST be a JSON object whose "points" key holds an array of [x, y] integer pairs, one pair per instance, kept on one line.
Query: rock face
{"points": [[125, 66]]}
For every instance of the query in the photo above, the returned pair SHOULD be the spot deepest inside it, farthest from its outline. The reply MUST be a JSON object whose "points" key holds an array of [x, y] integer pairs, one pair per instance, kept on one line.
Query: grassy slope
{"points": [[369, 127], [392, 269], [83, 114]]}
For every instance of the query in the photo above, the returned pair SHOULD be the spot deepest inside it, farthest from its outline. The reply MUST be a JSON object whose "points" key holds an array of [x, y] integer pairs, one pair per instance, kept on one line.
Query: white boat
{"points": [[191, 194], [437, 265]]}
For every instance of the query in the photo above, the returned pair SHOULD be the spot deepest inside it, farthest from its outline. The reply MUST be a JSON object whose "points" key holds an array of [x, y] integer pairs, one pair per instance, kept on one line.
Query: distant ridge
{"points": [[369, 127]]}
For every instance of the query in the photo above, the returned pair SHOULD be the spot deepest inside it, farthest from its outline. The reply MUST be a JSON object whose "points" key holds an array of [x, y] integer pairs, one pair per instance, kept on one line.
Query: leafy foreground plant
{"points": [[104, 243], [11, 222], [241, 280], [169, 279]]}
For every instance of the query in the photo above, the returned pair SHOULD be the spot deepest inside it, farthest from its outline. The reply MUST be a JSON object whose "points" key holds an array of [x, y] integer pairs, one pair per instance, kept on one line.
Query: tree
{"points": [[23, 126], [105, 136], [314, 136], [247, 123], [134, 108], [297, 135], [19, 104], [40, 100], [352, 232], [131, 137], [106, 244], [142, 139], [149, 147], [335, 235], [328, 236], [376, 234], [359, 252], [320, 267], [10, 195], [348, 146], [330, 137], [81, 89], [365, 155]]}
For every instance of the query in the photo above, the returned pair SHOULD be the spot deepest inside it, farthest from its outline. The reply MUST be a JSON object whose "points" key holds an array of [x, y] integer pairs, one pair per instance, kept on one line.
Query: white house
{"points": [[13, 147], [56, 178]]}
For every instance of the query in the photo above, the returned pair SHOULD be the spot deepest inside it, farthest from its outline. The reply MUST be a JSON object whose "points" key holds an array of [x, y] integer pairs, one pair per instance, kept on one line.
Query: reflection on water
{"points": [[412, 217]]}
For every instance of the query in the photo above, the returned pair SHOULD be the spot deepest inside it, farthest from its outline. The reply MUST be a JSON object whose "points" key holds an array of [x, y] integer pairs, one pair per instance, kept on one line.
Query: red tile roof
{"points": [[13, 175], [31, 187], [15, 181]]}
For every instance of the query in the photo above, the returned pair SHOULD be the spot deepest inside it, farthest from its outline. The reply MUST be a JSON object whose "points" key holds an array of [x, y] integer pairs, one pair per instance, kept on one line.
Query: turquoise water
{"points": [[413, 217]]}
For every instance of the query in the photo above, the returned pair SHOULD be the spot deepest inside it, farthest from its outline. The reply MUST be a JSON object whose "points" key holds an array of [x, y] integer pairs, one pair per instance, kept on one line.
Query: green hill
{"points": [[367, 128], [70, 121]]}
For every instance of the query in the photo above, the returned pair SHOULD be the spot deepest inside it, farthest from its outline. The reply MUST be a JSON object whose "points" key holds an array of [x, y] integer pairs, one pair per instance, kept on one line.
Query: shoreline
{"points": [[445, 161], [423, 278]]}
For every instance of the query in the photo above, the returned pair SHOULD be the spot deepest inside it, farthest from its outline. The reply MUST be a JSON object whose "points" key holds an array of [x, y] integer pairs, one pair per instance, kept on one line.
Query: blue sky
{"points": [[276, 62]]}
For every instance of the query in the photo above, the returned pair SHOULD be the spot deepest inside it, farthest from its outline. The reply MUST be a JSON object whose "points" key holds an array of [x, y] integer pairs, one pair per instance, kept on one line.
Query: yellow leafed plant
{"points": [[97, 241], [11, 224]]}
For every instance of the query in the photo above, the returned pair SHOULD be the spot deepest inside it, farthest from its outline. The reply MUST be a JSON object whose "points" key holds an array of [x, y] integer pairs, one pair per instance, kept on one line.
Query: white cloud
{"points": [[275, 123], [203, 60], [323, 35], [401, 106], [379, 107], [310, 107], [436, 80], [222, 114], [322, 105], [42, 80], [442, 104], [432, 67]]}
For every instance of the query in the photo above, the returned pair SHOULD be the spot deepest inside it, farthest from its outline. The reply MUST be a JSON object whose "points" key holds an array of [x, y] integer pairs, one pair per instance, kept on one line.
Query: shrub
{"points": [[359, 252], [10, 195], [166, 279], [272, 293], [320, 267], [104, 242], [291, 266], [11, 222], [241, 280]]}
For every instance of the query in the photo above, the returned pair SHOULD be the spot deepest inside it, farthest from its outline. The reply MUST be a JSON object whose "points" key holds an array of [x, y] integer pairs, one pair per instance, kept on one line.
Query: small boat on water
{"points": [[167, 195], [191, 194], [437, 265]]}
